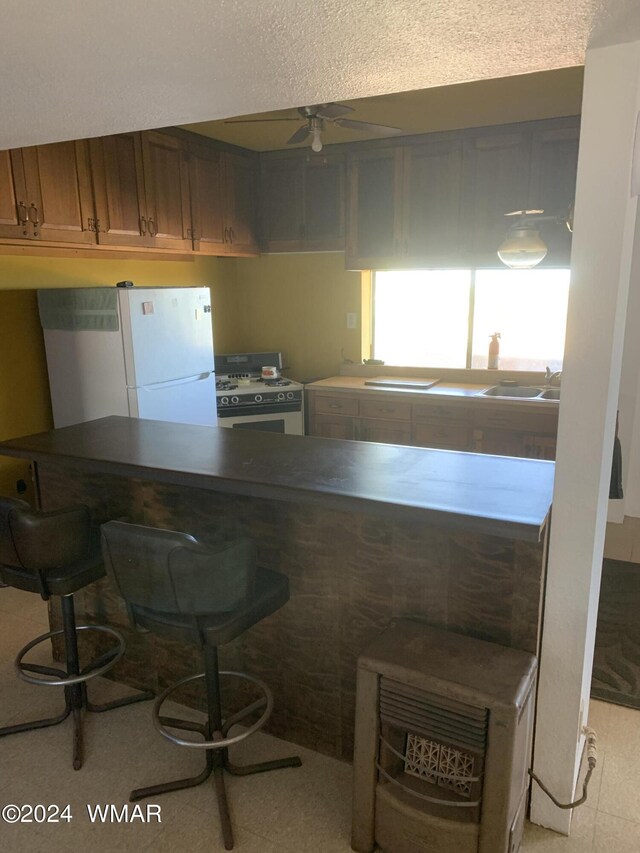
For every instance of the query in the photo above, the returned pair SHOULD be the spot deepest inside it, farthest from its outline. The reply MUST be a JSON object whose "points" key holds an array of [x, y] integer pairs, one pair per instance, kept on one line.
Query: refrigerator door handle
{"points": [[158, 386]]}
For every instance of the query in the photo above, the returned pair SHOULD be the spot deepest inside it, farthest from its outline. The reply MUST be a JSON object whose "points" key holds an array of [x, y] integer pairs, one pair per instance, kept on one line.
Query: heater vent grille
{"points": [[445, 721]]}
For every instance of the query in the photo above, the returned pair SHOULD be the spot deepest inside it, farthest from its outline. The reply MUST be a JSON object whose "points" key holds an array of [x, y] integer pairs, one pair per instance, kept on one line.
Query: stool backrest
{"points": [[172, 572], [38, 541]]}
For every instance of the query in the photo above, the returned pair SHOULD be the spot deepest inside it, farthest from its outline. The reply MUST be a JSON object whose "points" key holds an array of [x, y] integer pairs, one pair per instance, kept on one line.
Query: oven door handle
{"points": [[259, 409]]}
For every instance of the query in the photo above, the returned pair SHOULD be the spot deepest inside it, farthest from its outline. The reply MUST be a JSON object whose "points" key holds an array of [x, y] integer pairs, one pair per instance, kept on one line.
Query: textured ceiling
{"points": [[69, 68]]}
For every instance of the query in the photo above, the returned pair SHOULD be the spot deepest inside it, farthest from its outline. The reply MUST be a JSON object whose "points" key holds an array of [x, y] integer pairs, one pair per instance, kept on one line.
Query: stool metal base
{"points": [[215, 741], [73, 679]]}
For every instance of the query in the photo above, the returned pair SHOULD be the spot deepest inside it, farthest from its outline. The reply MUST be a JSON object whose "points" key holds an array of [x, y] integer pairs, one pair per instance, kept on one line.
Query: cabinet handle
{"points": [[389, 409], [231, 234], [335, 405], [143, 225], [23, 218], [35, 219], [226, 234], [152, 228]]}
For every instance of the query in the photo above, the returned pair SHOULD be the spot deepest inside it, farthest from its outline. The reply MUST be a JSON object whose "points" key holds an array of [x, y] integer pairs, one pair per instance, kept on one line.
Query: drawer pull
{"points": [[335, 405]]}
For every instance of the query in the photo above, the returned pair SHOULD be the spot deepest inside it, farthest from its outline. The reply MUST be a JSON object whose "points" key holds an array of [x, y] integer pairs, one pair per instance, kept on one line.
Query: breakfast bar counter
{"points": [[365, 533]]}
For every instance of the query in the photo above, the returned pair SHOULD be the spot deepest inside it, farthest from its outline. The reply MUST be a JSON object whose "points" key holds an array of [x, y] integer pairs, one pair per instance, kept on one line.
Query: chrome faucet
{"points": [[551, 379]]}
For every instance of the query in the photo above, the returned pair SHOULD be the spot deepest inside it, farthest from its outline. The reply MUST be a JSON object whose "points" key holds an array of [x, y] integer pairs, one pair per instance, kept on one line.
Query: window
{"points": [[445, 318]]}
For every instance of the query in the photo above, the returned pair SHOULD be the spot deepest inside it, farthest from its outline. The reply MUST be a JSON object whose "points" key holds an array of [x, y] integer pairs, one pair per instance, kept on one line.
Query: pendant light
{"points": [[523, 248]]}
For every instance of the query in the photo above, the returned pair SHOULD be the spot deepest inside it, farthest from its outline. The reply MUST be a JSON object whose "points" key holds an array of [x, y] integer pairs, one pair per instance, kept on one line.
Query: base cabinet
{"points": [[501, 430]]}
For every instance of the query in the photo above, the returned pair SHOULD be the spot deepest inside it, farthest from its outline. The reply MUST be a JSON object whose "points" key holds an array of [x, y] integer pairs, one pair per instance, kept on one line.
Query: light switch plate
{"points": [[147, 307], [351, 320]]}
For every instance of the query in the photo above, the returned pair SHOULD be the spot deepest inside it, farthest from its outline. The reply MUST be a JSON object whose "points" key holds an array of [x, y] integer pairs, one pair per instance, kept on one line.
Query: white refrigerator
{"points": [[142, 352]]}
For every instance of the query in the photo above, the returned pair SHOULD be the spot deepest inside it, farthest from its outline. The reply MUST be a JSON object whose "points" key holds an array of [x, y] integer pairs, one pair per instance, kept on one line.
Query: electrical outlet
{"points": [[351, 320]]}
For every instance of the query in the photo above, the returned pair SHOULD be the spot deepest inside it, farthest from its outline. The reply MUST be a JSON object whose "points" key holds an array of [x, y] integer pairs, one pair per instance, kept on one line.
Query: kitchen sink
{"points": [[512, 391], [550, 394], [524, 392]]}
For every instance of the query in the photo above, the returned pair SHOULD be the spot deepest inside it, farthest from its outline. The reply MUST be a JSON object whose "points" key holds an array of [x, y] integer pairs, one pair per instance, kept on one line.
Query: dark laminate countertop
{"points": [[497, 495]]}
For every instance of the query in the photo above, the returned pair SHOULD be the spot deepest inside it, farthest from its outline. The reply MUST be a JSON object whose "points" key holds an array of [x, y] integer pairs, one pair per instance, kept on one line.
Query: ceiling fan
{"points": [[314, 118]]}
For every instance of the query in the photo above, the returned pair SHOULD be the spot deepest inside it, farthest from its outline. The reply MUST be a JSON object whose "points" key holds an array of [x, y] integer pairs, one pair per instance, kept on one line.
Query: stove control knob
{"points": [[224, 401], [258, 398], [289, 395], [235, 399], [281, 396]]}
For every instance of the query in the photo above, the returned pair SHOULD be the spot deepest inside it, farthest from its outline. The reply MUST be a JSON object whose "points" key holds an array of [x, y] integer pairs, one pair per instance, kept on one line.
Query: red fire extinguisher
{"points": [[494, 352]]}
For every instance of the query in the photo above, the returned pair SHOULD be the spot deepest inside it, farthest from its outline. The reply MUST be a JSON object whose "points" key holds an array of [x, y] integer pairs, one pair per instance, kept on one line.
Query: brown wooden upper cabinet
{"points": [[241, 180], [141, 187], [223, 201], [166, 183], [57, 184], [440, 201], [14, 209], [374, 208], [302, 202], [495, 181], [118, 184]]}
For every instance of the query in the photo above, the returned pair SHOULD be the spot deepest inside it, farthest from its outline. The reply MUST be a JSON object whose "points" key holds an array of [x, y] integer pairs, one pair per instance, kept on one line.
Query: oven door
{"points": [[290, 423]]}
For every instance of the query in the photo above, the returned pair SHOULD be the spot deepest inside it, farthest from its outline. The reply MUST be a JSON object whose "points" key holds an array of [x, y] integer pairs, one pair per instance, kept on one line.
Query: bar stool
{"points": [[57, 554], [189, 592]]}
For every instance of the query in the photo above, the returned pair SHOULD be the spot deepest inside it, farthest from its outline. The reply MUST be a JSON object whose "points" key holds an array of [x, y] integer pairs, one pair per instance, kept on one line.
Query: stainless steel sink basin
{"points": [[524, 392], [512, 391]]}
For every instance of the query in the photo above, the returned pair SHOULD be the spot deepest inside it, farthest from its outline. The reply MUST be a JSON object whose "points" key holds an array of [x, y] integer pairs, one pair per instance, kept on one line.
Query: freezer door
{"points": [[182, 401], [167, 333]]}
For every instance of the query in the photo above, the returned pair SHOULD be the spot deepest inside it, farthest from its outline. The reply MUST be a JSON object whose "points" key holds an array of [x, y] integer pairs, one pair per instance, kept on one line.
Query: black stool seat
{"points": [[270, 592], [57, 554], [205, 596], [59, 580]]}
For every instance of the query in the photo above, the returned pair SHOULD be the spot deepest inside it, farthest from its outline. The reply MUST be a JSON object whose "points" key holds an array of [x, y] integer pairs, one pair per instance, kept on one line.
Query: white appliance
{"points": [[246, 400], [137, 351]]}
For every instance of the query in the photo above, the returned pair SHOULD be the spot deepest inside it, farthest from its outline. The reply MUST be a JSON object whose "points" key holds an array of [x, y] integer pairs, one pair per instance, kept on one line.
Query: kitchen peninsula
{"points": [[364, 531]]}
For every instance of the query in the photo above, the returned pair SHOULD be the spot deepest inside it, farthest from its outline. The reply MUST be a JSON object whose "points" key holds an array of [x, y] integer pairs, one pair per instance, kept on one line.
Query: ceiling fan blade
{"points": [[255, 120], [333, 111], [365, 126], [300, 135]]}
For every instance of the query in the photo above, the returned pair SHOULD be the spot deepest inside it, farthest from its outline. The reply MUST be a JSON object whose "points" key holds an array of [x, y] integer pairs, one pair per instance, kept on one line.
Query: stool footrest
{"points": [[62, 678], [222, 742]]}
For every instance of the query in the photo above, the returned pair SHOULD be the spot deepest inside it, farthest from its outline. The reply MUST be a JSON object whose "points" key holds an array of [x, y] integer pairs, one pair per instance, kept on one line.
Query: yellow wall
{"points": [[298, 304], [24, 389]]}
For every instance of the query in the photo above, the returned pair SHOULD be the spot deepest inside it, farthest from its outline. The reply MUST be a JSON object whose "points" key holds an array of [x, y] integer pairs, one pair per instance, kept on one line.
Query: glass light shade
{"points": [[316, 144], [522, 249]]}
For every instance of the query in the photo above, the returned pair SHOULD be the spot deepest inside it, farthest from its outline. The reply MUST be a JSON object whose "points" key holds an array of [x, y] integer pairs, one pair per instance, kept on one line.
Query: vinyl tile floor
{"points": [[304, 810]]}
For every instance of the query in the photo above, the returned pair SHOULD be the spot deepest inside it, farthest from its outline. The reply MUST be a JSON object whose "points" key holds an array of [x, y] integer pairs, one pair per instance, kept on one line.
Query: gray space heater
{"points": [[442, 743]]}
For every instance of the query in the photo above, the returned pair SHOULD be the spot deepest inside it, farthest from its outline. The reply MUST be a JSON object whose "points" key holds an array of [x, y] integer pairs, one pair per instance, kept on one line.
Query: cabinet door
{"points": [[552, 187], [166, 181], [447, 435], [374, 208], [495, 182], [499, 442], [206, 181], [387, 432], [323, 202], [333, 426], [118, 184], [59, 192], [14, 213], [241, 204], [539, 447], [281, 205], [432, 204]]}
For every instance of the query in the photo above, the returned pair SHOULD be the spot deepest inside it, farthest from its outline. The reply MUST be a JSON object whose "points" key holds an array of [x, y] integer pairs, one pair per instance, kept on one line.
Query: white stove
{"points": [[246, 401]]}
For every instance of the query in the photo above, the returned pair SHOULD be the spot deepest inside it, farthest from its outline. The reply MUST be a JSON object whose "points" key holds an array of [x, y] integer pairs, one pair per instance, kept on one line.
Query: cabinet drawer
{"points": [[398, 410], [439, 412], [450, 436], [502, 418], [385, 431], [337, 405]]}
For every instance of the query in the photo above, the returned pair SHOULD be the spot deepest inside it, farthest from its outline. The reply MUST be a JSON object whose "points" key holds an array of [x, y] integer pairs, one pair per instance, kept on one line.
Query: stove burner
{"points": [[272, 383], [225, 385]]}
